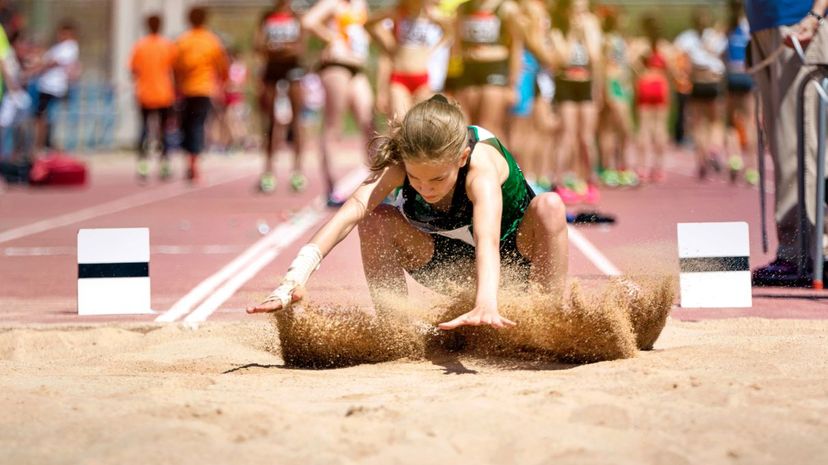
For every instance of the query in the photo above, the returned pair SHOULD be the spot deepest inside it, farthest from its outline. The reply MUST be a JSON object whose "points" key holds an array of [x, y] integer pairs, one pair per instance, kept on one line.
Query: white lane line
{"points": [[592, 253], [286, 233], [204, 288], [273, 240], [218, 249], [108, 208]]}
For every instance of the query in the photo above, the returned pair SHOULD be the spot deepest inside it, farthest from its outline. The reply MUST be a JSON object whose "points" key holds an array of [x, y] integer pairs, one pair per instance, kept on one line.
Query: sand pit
{"points": [[715, 392]]}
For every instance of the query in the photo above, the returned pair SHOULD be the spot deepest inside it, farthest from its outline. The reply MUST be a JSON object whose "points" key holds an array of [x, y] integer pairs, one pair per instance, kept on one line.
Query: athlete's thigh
{"points": [[712, 110], [529, 226], [335, 81], [362, 98], [267, 96], [493, 104], [569, 116], [469, 98], [622, 114], [296, 94], [542, 115], [659, 125], [400, 100], [587, 117], [415, 247], [422, 93]]}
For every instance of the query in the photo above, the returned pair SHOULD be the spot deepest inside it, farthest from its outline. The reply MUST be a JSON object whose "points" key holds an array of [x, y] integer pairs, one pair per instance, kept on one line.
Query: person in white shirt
{"points": [[57, 68], [704, 47]]}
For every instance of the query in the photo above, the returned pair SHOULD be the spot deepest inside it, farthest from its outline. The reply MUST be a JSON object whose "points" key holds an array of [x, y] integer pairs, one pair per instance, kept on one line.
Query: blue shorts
{"points": [[525, 89]]}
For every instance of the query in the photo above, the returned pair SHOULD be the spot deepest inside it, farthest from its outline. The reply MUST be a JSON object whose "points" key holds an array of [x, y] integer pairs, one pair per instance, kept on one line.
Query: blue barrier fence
{"points": [[84, 121]]}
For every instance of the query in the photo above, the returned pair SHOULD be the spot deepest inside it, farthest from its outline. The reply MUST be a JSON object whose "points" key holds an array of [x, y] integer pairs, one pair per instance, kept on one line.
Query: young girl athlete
{"points": [[462, 204]]}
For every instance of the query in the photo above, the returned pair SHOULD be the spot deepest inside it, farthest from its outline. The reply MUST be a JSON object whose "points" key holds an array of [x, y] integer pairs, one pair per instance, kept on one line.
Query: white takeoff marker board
{"points": [[715, 269], [113, 271]]}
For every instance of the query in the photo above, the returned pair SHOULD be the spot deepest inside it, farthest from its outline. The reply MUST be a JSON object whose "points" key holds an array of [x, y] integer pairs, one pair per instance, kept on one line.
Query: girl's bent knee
{"points": [[377, 220], [551, 210]]}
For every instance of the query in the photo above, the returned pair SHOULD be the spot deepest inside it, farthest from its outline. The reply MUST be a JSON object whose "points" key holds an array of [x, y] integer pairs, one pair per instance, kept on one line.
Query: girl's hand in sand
{"points": [[272, 304], [477, 317]]}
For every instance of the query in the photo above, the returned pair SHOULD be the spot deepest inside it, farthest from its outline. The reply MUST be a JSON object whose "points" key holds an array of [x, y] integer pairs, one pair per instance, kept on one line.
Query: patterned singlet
{"points": [[416, 32], [281, 29], [349, 20], [480, 27], [578, 67], [456, 223]]}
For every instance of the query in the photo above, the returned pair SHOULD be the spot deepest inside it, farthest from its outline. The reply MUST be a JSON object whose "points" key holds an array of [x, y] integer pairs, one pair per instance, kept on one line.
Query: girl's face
{"points": [[435, 180]]}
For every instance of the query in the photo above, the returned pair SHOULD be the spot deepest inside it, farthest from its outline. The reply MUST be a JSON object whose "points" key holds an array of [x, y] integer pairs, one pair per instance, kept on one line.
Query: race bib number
{"points": [[579, 56], [281, 31], [481, 29], [415, 32]]}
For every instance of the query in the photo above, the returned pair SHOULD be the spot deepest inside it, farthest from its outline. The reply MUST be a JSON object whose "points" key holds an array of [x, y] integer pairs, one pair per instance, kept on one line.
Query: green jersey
{"points": [[456, 223]]}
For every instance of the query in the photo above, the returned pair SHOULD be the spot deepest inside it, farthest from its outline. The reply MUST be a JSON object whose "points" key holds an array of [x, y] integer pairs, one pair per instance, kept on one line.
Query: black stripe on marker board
{"points": [[707, 264], [113, 270]]}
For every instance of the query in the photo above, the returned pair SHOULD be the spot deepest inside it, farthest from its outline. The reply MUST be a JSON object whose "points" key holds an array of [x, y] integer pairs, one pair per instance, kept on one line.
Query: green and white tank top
{"points": [[456, 223]]}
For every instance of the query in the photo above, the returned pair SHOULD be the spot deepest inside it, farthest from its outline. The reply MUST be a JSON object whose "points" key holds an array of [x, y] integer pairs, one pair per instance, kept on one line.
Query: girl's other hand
{"points": [[478, 316], [274, 304]]}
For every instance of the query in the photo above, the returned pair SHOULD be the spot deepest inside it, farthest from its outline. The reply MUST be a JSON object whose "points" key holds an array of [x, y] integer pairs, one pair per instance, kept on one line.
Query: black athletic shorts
{"points": [[567, 90], [276, 71], [353, 69], [452, 256], [485, 73], [44, 101], [706, 91], [739, 83]]}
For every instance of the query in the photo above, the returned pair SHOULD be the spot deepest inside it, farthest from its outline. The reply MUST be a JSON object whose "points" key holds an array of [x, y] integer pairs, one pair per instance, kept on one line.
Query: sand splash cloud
{"points": [[610, 322]]}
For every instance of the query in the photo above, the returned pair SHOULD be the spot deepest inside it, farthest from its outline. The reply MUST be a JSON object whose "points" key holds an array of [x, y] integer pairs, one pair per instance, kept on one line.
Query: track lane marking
{"points": [[286, 234], [108, 208], [54, 251], [592, 253], [227, 280]]}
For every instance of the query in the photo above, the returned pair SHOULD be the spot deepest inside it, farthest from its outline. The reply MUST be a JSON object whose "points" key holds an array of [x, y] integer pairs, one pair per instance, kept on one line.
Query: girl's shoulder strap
{"points": [[477, 133]]}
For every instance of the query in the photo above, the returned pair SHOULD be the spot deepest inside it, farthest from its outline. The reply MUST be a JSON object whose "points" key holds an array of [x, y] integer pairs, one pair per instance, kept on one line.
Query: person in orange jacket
{"points": [[151, 64], [201, 66]]}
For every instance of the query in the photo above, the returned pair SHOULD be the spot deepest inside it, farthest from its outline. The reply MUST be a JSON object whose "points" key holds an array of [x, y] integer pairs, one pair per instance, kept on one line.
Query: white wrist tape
{"points": [[306, 262]]}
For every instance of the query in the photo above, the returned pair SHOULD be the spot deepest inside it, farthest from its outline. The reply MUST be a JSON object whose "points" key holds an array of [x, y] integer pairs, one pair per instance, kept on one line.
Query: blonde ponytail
{"points": [[385, 149], [432, 130]]}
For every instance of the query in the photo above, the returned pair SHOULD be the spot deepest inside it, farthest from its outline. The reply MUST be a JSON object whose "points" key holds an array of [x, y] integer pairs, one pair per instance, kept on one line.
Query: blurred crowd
{"points": [[585, 97], [35, 78], [581, 104]]}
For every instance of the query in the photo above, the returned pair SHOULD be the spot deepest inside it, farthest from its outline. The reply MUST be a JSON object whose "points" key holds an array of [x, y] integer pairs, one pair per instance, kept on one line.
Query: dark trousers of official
{"points": [[194, 114], [163, 118]]}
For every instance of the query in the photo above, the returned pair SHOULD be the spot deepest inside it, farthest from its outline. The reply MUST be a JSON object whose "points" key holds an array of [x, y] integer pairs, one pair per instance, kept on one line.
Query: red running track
{"points": [[196, 231]]}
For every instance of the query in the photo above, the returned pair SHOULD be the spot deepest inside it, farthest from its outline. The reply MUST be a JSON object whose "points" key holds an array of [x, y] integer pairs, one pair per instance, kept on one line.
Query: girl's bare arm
{"points": [[314, 20], [362, 201], [483, 187]]}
